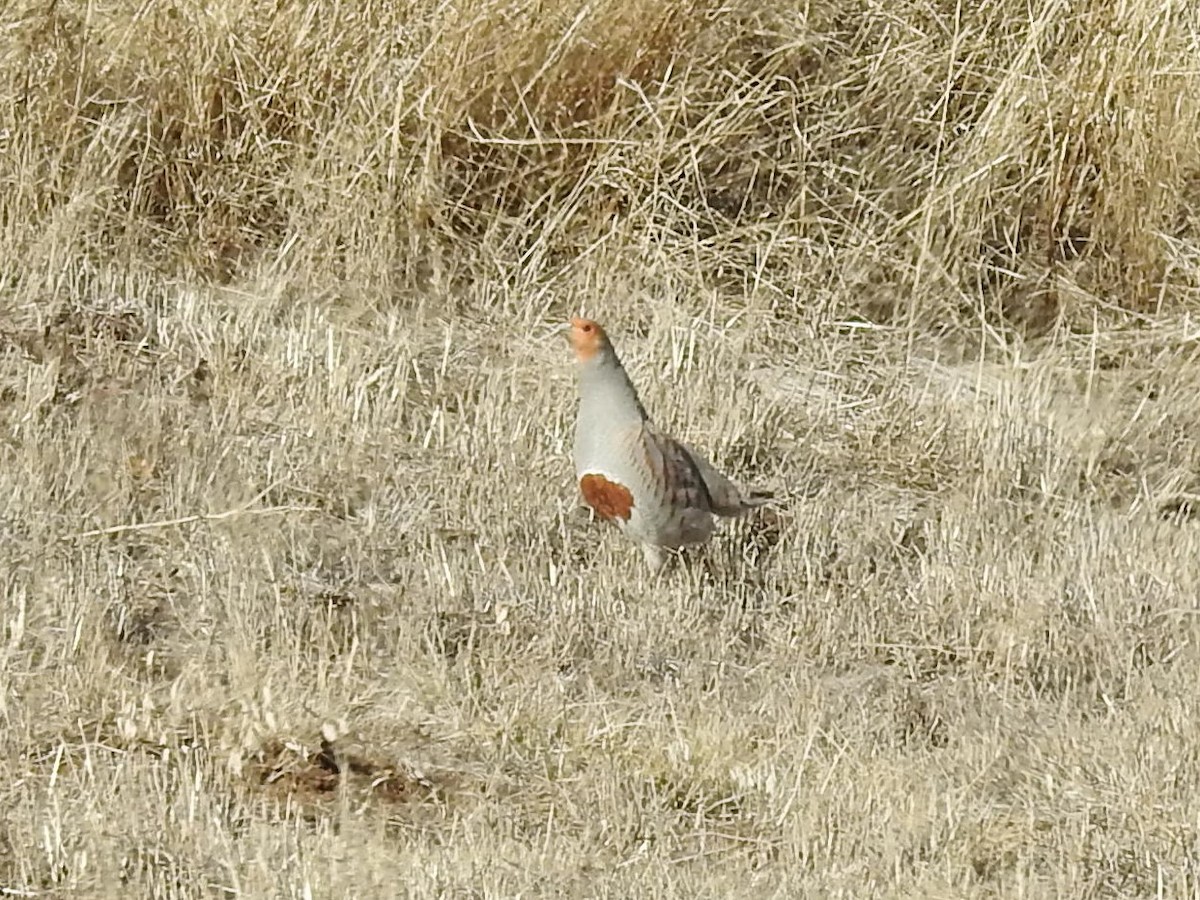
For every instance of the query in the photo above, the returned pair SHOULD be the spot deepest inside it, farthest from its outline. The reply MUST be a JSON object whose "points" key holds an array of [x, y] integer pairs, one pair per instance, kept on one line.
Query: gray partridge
{"points": [[659, 492]]}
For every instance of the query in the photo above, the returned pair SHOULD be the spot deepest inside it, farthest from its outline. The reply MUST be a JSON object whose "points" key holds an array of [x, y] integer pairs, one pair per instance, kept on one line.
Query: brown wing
{"points": [[674, 471], [726, 497]]}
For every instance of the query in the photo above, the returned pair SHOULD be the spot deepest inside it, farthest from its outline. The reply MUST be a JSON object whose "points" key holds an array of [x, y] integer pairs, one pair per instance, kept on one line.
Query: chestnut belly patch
{"points": [[609, 499]]}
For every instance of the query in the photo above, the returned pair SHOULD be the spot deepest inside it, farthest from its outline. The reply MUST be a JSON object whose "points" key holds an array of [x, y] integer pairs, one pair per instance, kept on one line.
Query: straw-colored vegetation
{"points": [[298, 599]]}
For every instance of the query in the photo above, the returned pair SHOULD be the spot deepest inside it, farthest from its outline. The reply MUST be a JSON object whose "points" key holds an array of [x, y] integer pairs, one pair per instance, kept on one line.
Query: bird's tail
{"points": [[754, 498], [727, 498]]}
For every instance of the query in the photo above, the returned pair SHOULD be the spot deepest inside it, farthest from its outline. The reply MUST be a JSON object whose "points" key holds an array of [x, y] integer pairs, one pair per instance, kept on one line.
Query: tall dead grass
{"points": [[967, 159]]}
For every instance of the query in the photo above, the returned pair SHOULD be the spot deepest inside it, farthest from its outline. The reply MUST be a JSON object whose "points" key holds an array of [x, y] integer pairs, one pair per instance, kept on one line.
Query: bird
{"points": [[659, 491]]}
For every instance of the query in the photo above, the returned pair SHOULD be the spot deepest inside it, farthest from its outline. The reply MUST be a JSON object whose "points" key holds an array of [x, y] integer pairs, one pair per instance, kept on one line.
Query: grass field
{"points": [[299, 599]]}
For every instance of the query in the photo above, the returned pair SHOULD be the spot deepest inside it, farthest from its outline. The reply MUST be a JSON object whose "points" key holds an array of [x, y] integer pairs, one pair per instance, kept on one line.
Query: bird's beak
{"points": [[560, 329]]}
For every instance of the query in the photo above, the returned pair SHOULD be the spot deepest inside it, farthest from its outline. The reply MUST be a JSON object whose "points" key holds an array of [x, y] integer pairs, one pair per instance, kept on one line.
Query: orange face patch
{"points": [[587, 337], [609, 499]]}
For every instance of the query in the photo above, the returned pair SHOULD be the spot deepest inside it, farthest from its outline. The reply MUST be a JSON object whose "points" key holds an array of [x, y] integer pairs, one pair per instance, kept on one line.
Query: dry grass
{"points": [[297, 596]]}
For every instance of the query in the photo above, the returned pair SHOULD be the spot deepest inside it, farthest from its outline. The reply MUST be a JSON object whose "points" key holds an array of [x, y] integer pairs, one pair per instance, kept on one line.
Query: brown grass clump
{"points": [[296, 595]]}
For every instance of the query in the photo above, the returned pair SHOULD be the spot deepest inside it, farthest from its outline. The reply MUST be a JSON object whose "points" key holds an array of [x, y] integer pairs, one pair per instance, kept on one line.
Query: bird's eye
{"points": [[587, 328]]}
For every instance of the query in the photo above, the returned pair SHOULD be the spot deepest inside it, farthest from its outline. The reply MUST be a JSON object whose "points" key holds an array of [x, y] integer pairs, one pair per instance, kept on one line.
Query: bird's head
{"points": [[588, 339]]}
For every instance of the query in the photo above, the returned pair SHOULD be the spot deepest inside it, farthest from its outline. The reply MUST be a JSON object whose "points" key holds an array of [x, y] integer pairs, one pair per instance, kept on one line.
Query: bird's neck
{"points": [[607, 393]]}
